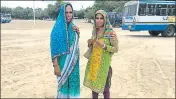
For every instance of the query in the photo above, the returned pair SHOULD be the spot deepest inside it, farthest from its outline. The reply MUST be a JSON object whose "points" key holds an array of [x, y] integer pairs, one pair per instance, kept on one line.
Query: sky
{"points": [[77, 5]]}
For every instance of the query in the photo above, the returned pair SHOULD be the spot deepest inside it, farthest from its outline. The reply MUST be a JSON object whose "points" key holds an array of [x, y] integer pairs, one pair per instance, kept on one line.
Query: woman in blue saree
{"points": [[65, 53]]}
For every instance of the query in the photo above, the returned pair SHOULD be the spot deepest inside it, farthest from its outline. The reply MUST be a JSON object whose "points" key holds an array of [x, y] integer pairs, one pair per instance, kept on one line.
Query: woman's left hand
{"points": [[76, 29]]}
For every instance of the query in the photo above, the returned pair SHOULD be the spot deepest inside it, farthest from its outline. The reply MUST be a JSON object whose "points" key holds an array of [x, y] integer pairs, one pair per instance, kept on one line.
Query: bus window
{"points": [[130, 10], [125, 12], [133, 9], [151, 9], [161, 10], [158, 11], [169, 12], [164, 9], [142, 9], [174, 13]]}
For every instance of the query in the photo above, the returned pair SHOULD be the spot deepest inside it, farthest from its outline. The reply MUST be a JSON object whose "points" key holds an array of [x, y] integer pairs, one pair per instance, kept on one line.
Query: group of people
{"points": [[64, 41]]}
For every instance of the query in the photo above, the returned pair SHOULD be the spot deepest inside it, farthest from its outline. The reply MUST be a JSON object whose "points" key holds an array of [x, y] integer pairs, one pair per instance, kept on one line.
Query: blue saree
{"points": [[64, 46]]}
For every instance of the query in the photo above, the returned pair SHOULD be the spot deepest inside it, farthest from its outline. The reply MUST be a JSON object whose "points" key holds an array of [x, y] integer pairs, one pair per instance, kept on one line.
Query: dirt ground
{"points": [[143, 67]]}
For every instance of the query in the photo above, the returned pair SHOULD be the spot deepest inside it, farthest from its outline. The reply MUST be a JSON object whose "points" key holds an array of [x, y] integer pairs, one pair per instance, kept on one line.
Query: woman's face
{"points": [[99, 19], [69, 13]]}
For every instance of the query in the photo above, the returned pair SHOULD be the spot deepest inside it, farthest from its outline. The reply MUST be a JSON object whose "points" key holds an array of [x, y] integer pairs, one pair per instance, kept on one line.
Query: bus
{"points": [[155, 16], [8, 17], [115, 18], [5, 18]]}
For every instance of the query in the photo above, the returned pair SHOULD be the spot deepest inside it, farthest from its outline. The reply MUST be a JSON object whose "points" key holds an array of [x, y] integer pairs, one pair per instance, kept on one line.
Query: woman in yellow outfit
{"points": [[103, 45]]}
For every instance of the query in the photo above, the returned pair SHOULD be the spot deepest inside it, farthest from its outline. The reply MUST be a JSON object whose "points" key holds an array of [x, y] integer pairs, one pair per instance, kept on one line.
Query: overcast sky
{"points": [[77, 5]]}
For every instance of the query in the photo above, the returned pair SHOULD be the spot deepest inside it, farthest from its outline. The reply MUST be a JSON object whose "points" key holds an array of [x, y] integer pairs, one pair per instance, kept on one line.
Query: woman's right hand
{"points": [[57, 70], [90, 41]]}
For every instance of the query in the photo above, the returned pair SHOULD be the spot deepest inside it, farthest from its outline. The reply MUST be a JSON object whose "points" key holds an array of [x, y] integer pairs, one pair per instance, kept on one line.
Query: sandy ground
{"points": [[143, 67]]}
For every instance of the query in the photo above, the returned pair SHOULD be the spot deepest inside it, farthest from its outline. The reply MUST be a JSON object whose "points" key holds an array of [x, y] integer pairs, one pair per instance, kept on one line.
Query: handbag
{"points": [[88, 52]]}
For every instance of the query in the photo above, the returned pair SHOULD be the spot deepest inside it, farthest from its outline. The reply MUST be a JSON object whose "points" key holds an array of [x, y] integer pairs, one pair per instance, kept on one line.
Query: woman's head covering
{"points": [[108, 30], [59, 42]]}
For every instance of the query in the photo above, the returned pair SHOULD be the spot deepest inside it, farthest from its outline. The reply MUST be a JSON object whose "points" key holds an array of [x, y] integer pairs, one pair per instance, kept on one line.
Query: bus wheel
{"points": [[154, 33], [169, 31]]}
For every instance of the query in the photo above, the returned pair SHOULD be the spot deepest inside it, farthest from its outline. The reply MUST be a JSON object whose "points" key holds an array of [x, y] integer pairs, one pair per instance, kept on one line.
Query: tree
{"points": [[6, 10], [89, 13], [18, 13], [80, 14], [108, 6], [52, 11], [44, 14], [29, 12], [38, 14]]}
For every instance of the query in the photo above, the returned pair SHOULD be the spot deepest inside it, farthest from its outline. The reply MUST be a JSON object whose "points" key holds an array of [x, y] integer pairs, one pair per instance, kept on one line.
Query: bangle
{"points": [[104, 46]]}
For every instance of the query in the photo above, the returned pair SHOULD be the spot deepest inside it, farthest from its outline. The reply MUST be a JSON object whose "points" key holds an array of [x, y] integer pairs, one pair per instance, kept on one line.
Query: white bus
{"points": [[5, 18], [155, 16]]}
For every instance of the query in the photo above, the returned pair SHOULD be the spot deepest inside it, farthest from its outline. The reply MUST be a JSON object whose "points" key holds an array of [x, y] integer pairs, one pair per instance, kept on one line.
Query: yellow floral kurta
{"points": [[100, 59]]}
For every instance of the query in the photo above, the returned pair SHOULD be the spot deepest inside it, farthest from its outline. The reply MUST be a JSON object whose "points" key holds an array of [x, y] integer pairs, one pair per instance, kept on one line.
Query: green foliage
{"points": [[89, 13], [6, 10], [108, 6], [52, 11], [80, 14]]}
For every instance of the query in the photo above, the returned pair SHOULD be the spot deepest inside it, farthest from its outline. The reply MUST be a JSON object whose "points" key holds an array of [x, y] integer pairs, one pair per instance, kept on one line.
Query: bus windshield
{"points": [[130, 10]]}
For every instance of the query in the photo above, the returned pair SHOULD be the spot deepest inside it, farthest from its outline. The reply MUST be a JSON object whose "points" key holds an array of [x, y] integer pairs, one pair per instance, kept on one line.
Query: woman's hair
{"points": [[71, 8], [69, 5], [100, 14]]}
